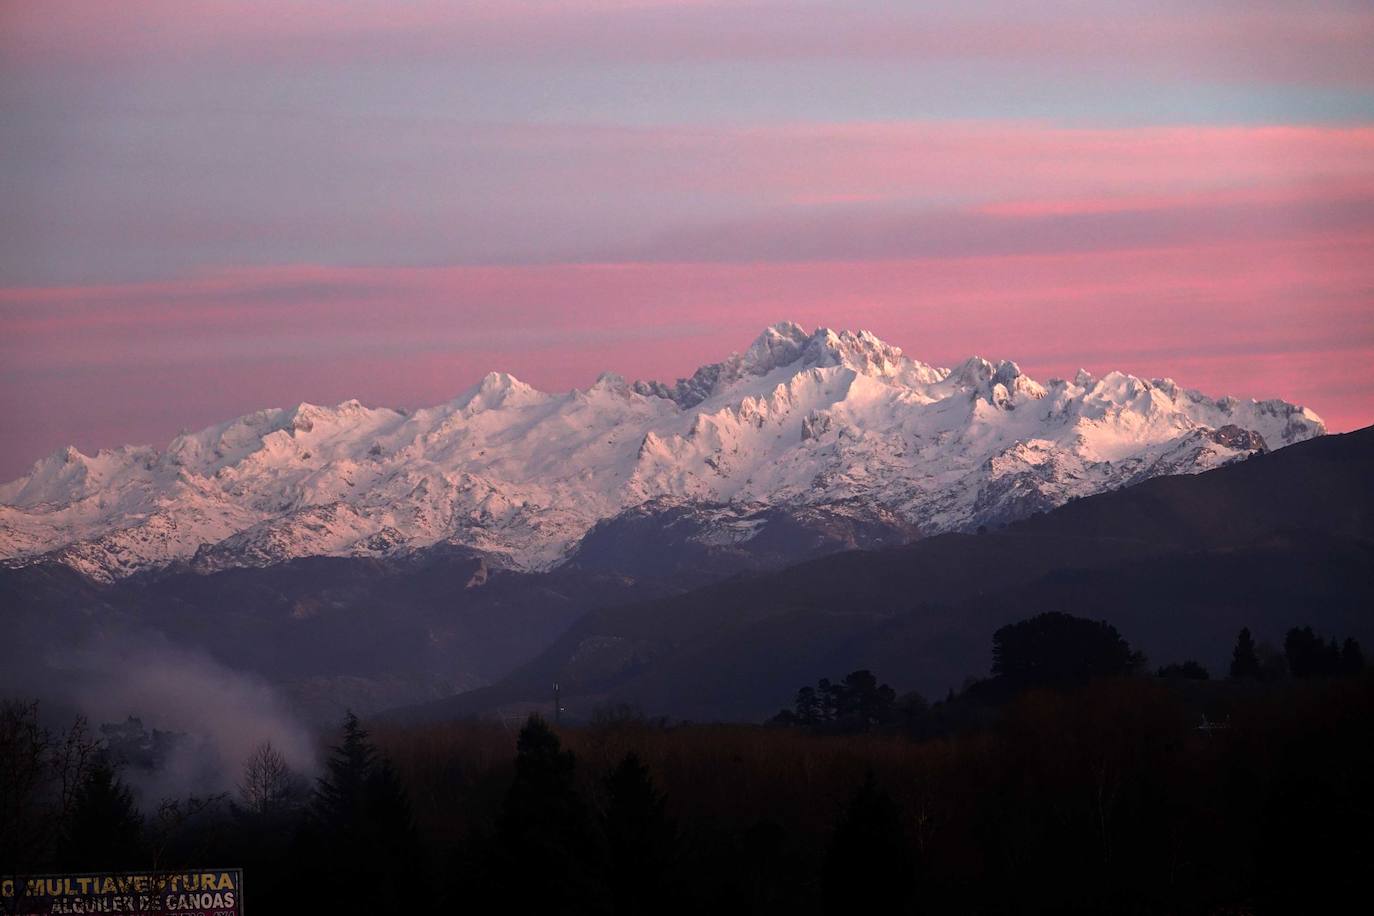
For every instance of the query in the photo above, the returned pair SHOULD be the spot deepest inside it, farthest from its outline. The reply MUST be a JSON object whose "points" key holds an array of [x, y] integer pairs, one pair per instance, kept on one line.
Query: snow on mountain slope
{"points": [[798, 419]]}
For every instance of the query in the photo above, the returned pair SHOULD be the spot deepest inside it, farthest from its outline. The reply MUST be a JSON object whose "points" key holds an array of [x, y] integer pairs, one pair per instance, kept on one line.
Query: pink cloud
{"points": [[1306, 196], [407, 191], [986, 159], [101, 365], [1323, 43]]}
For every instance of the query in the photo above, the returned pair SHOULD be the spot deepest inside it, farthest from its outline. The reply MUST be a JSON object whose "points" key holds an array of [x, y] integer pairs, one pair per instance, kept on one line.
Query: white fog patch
{"points": [[218, 715]]}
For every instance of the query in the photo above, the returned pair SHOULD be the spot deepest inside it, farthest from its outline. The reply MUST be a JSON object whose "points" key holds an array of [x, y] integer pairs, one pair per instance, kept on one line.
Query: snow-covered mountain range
{"points": [[833, 420]]}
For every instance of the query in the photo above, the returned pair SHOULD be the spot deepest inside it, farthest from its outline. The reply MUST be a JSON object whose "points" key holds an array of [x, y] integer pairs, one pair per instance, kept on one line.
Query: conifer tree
{"points": [[868, 868], [544, 833], [1331, 658], [1352, 658], [861, 702], [103, 829], [340, 794], [362, 830], [1309, 656], [640, 840], [1244, 661]]}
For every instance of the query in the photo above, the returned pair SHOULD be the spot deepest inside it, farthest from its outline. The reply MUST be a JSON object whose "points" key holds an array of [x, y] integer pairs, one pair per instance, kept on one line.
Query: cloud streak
{"points": [[1317, 42], [114, 364], [211, 207], [449, 193]]}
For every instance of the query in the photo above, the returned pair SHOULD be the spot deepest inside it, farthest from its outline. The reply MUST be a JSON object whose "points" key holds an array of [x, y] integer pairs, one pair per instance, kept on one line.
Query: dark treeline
{"points": [[1069, 781]]}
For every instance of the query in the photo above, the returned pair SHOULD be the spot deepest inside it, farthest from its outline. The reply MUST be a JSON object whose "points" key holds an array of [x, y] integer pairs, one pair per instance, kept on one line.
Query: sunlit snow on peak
{"points": [[800, 418]]}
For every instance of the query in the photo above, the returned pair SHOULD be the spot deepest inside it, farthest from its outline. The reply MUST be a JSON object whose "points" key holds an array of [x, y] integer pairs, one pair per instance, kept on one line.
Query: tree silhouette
{"points": [[808, 708], [340, 795], [1309, 656], [24, 745], [868, 868], [362, 829], [1352, 658], [544, 838], [641, 840], [825, 700], [1056, 649], [268, 786], [912, 713], [1244, 660], [856, 704], [104, 830], [862, 702], [1189, 670]]}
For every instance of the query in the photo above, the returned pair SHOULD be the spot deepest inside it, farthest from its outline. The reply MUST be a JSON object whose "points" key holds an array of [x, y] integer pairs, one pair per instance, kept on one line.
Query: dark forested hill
{"points": [[1178, 564], [329, 632]]}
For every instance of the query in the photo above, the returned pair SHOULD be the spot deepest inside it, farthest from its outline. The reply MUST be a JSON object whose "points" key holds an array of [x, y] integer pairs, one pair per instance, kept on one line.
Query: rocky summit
{"points": [[831, 422]]}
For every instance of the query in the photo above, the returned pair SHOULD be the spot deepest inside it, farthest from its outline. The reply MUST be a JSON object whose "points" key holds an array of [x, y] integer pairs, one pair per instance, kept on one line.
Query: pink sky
{"points": [[1314, 41], [206, 215], [1287, 318]]}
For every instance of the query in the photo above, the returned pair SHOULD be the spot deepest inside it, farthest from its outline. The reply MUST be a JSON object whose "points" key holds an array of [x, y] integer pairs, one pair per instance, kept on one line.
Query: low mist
{"points": [[209, 716]]}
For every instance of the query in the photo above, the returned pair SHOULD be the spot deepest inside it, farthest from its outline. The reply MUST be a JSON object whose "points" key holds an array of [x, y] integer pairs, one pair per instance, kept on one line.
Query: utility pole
{"points": [[557, 703]]}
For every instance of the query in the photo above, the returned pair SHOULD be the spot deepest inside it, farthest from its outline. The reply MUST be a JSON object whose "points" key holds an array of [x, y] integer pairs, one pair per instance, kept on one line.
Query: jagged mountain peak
{"points": [[799, 419], [778, 345], [494, 389], [861, 351], [788, 345]]}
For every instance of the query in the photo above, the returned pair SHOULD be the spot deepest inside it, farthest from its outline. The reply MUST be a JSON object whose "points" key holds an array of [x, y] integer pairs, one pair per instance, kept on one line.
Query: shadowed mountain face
{"points": [[367, 557], [1177, 564], [693, 542], [368, 633], [330, 632]]}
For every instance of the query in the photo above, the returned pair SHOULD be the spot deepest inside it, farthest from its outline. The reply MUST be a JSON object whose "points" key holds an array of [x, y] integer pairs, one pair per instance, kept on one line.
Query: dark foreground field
{"points": [[1132, 795]]}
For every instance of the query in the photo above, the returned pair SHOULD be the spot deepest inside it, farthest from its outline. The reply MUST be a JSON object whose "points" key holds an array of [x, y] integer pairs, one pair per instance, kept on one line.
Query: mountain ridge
{"points": [[1178, 564], [799, 419]]}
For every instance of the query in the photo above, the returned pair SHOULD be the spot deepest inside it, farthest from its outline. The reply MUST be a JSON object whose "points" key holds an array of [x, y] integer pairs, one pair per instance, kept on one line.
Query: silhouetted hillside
{"points": [[330, 631], [1179, 563]]}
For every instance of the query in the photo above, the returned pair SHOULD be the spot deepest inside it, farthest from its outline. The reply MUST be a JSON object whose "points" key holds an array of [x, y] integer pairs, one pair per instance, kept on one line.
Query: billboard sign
{"points": [[205, 892]]}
